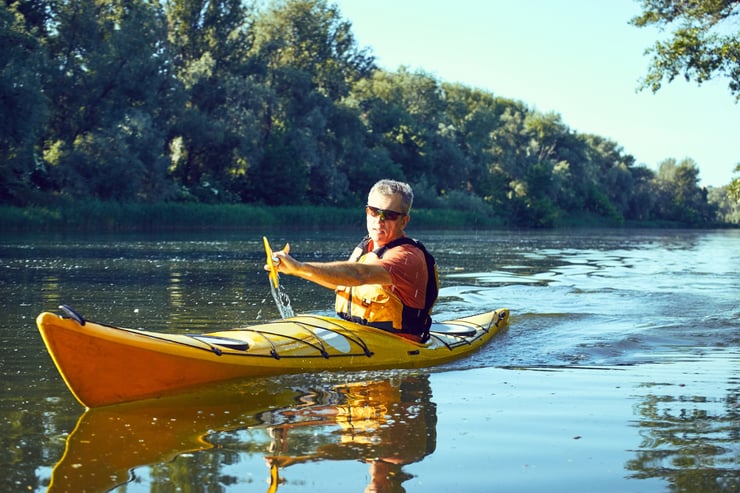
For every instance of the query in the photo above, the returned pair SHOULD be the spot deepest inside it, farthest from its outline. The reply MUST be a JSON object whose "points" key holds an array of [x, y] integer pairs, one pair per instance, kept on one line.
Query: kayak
{"points": [[103, 364]]}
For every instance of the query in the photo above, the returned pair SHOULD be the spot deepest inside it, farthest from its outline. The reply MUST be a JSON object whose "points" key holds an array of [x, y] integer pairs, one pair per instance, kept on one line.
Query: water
{"points": [[619, 372], [282, 301], [279, 294]]}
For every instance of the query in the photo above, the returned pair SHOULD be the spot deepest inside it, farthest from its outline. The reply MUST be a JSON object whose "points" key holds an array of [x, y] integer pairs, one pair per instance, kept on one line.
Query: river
{"points": [[620, 370]]}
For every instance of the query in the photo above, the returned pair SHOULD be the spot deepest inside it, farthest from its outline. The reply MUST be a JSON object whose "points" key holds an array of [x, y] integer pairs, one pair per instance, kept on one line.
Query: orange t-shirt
{"points": [[408, 269]]}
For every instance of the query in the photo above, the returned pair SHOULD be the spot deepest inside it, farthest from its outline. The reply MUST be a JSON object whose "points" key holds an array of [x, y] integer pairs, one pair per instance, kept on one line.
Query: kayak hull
{"points": [[103, 365]]}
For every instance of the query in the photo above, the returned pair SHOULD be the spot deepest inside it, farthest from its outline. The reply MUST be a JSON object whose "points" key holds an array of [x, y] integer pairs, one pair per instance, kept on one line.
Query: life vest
{"points": [[373, 305]]}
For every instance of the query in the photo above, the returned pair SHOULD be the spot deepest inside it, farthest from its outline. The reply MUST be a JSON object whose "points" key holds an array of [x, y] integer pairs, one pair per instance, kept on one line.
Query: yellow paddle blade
{"points": [[271, 263]]}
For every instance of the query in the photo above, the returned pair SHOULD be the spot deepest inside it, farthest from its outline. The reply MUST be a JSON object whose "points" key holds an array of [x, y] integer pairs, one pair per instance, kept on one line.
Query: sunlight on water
{"points": [[619, 371]]}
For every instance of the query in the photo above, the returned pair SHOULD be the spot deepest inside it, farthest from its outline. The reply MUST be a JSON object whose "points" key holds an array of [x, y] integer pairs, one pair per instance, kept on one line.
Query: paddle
{"points": [[277, 294], [271, 263]]}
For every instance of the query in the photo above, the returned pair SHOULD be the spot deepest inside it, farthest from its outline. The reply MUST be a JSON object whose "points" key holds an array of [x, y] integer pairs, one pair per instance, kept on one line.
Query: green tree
{"points": [[642, 202], [410, 116], [733, 190], [23, 106], [611, 179], [726, 200], [471, 116], [679, 196], [107, 135], [216, 137], [383, 113], [704, 44], [311, 62], [523, 151], [413, 144], [728, 210]]}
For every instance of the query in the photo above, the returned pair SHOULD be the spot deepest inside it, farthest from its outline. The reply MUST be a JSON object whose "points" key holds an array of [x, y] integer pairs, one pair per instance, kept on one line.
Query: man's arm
{"points": [[332, 274]]}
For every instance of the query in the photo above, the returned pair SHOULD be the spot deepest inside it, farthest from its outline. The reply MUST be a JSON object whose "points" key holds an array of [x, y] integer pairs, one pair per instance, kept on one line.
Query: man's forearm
{"points": [[342, 273]]}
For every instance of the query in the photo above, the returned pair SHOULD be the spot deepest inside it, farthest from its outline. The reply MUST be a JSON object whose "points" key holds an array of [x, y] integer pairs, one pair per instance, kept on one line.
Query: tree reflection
{"points": [[690, 441], [388, 423]]}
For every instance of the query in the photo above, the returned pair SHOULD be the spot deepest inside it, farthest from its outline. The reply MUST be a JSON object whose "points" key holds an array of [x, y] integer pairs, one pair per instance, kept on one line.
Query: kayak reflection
{"points": [[386, 422]]}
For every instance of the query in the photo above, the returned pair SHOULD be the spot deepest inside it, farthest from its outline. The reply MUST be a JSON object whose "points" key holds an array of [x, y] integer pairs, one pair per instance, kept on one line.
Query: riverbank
{"points": [[115, 217], [122, 217]]}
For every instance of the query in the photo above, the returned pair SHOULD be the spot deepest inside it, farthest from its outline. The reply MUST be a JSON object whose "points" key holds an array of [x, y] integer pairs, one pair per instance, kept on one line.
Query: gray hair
{"points": [[390, 187]]}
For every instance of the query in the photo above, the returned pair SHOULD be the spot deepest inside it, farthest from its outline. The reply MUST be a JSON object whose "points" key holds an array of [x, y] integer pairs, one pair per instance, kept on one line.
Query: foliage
{"points": [[23, 106], [309, 62], [214, 136], [727, 201], [733, 192], [704, 44], [181, 103], [680, 199], [107, 130]]}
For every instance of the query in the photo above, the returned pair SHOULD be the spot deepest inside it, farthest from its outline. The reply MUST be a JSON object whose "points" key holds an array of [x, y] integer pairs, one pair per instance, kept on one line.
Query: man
{"points": [[390, 281]]}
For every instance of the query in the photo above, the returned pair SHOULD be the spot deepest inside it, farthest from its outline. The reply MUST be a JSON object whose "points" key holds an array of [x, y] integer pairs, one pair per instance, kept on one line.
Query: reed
{"points": [[97, 216]]}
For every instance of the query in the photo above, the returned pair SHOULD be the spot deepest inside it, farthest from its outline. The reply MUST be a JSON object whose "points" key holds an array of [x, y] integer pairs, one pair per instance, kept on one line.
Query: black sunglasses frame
{"points": [[384, 214]]}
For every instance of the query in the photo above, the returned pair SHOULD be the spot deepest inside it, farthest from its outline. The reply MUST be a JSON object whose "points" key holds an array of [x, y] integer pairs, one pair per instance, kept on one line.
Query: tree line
{"points": [[234, 101]]}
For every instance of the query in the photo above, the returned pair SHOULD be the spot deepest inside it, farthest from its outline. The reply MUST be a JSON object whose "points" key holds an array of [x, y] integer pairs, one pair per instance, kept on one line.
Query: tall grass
{"points": [[105, 217], [98, 216]]}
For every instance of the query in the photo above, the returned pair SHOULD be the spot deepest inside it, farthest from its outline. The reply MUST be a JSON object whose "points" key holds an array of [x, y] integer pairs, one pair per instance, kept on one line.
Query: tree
{"points": [[733, 190], [311, 62], [538, 156], [704, 44], [107, 135], [679, 196], [377, 100], [727, 200], [643, 197], [611, 180], [23, 107], [215, 138]]}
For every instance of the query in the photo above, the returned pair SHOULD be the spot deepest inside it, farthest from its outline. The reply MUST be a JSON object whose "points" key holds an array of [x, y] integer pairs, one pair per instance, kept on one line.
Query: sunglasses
{"points": [[383, 214]]}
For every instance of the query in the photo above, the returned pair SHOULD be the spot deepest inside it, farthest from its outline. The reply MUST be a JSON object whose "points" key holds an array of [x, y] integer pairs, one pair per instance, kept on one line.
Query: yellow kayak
{"points": [[102, 364]]}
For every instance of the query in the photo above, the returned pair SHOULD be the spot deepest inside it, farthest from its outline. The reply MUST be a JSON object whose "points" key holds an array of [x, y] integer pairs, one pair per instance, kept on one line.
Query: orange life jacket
{"points": [[373, 305]]}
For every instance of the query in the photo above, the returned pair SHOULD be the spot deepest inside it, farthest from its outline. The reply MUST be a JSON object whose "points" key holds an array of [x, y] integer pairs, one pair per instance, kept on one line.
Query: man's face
{"points": [[383, 231]]}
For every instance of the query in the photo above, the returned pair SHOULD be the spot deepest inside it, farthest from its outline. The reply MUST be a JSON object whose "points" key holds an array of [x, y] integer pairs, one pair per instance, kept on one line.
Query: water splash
{"points": [[282, 300]]}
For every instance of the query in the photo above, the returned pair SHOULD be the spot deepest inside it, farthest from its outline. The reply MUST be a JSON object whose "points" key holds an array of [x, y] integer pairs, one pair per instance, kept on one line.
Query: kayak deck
{"points": [[103, 364]]}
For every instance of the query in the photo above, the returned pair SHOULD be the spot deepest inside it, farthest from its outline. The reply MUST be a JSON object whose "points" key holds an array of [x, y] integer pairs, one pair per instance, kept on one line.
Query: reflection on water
{"points": [[691, 431], [387, 423], [657, 309]]}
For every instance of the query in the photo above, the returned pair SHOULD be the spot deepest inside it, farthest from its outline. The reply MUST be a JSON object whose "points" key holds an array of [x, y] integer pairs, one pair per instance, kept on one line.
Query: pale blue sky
{"points": [[578, 58]]}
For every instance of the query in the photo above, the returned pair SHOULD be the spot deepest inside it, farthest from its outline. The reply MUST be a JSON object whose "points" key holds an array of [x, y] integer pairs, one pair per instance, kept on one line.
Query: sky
{"points": [[580, 59]]}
